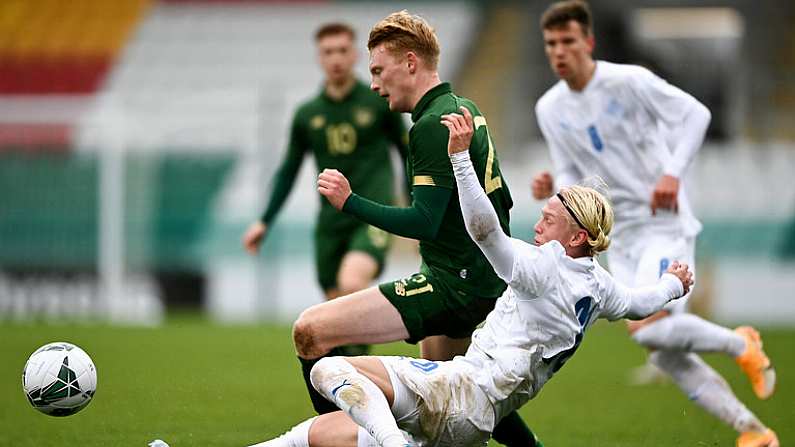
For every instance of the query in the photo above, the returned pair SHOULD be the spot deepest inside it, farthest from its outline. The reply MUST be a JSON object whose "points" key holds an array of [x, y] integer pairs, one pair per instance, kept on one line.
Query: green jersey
{"points": [[453, 255], [351, 135]]}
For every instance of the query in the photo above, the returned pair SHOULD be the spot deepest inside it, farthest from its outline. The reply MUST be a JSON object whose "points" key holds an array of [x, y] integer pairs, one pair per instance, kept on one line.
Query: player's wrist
{"points": [[674, 284], [459, 157], [350, 202], [673, 170]]}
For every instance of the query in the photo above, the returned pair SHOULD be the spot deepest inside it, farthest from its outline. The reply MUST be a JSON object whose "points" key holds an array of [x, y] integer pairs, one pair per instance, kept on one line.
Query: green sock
{"points": [[354, 350], [321, 405]]}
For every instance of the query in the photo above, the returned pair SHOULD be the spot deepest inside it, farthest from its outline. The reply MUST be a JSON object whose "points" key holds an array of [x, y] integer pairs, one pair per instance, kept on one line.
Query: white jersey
{"points": [[540, 320], [618, 128]]}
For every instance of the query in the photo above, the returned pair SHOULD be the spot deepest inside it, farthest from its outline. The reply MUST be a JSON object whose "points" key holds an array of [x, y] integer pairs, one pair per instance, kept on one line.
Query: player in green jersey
{"points": [[349, 128], [456, 286]]}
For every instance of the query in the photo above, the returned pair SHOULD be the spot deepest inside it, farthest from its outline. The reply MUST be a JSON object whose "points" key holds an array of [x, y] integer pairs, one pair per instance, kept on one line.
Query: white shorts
{"points": [[437, 403], [643, 255]]}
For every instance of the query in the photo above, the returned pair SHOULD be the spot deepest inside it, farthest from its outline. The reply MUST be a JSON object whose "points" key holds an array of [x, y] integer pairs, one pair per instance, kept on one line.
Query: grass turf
{"points": [[190, 383]]}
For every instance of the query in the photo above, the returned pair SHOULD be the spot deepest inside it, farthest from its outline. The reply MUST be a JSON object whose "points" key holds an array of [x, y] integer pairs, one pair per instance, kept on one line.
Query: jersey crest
{"points": [[363, 117], [317, 121]]}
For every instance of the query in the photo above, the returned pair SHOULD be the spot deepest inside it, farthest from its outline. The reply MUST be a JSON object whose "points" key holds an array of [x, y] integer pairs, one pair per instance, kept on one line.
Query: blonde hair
{"points": [[401, 32], [592, 210]]}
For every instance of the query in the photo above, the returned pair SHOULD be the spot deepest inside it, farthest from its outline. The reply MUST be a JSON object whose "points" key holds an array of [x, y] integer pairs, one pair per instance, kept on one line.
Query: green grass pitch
{"points": [[193, 383]]}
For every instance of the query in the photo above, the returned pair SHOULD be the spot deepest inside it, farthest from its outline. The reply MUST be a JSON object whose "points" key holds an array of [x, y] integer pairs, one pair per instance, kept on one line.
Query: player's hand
{"points": [[542, 186], [665, 194], [334, 187], [254, 236], [684, 275], [461, 130]]}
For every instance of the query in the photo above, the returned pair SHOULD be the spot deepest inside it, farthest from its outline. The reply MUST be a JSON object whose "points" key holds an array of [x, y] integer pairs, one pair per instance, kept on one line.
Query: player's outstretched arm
{"points": [[480, 218], [282, 184], [420, 221], [641, 302]]}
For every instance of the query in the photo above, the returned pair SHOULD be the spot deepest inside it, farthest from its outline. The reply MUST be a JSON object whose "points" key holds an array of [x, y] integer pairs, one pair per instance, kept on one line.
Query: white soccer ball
{"points": [[59, 379]]}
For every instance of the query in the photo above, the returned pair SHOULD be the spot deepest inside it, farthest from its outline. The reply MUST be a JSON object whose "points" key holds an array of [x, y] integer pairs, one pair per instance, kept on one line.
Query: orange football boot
{"points": [[755, 363], [766, 438]]}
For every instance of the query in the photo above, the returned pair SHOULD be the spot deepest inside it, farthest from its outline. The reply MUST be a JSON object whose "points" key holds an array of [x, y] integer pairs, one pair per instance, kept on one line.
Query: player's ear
{"points": [[580, 238], [591, 42], [412, 61]]}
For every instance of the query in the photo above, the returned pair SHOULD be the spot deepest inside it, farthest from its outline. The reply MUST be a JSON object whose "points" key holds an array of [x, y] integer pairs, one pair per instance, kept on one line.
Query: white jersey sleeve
{"points": [[663, 100], [677, 109], [639, 302]]}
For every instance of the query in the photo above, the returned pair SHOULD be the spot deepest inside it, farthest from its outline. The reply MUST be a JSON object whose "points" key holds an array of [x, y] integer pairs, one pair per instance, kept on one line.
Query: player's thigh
{"points": [[357, 270], [428, 306], [365, 316], [438, 402], [371, 240], [333, 430], [365, 257], [657, 254], [442, 347], [330, 247]]}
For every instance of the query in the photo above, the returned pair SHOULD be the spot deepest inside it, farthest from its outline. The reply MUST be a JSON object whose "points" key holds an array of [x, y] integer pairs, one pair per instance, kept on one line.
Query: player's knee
{"points": [[327, 370], [305, 336], [657, 358]]}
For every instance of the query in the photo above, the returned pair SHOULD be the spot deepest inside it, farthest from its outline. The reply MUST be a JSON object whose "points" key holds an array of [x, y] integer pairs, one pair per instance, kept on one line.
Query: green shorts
{"points": [[331, 247], [428, 306]]}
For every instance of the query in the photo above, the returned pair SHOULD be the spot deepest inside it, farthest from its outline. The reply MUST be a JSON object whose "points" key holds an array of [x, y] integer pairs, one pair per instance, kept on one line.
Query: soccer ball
{"points": [[59, 379]]}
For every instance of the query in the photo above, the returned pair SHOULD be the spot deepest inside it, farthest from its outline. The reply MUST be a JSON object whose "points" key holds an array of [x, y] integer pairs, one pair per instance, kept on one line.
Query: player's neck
{"points": [[340, 90], [424, 83], [578, 83]]}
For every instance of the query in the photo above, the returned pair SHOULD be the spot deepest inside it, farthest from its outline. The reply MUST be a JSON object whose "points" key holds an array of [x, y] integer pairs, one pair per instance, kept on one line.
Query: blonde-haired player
{"points": [[556, 289], [605, 119]]}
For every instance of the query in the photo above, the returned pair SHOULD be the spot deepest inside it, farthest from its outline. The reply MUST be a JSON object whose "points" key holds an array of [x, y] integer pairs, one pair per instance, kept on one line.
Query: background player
{"points": [[455, 287], [349, 128], [556, 290], [605, 119]]}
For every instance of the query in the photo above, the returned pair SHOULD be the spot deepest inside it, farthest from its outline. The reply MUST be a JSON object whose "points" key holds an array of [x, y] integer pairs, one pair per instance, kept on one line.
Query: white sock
{"points": [[687, 332], [297, 437], [338, 381], [363, 439], [704, 386]]}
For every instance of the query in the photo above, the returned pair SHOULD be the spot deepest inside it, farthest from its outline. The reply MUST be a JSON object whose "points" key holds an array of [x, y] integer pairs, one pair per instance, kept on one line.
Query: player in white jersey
{"points": [[609, 120], [556, 289]]}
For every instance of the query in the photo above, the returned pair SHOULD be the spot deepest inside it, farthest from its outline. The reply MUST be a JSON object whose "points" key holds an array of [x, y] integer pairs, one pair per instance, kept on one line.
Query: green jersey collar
{"points": [[429, 96], [357, 85]]}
